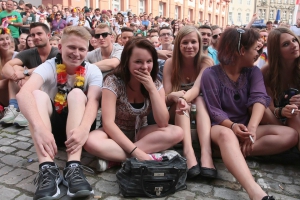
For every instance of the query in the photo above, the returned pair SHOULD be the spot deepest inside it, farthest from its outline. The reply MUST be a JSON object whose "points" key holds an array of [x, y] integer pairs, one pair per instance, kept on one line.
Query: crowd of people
{"points": [[60, 66]]}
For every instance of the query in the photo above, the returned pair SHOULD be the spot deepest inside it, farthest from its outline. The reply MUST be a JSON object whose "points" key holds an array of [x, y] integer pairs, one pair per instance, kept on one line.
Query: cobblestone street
{"points": [[278, 175]]}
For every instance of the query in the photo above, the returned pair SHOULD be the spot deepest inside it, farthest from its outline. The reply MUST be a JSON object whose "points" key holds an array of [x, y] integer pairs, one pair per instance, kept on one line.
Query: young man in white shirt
{"points": [[60, 101]]}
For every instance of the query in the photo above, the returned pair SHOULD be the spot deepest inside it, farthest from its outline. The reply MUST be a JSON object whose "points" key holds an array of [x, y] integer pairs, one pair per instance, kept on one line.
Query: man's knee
{"points": [[76, 95]]}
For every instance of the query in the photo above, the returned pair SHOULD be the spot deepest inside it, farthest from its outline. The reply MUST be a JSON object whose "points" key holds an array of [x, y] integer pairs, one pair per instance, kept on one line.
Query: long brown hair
{"points": [[273, 78], [122, 70], [177, 58]]}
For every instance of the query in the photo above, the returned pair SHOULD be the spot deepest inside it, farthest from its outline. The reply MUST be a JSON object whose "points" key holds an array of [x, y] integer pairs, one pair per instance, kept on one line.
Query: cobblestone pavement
{"points": [[278, 175]]}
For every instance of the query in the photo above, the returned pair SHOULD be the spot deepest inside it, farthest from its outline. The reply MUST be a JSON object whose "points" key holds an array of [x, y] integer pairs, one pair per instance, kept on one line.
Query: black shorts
{"points": [[59, 124]]}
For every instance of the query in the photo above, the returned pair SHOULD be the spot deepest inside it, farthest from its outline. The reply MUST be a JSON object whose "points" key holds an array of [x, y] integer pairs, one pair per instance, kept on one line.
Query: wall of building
{"points": [[240, 11]]}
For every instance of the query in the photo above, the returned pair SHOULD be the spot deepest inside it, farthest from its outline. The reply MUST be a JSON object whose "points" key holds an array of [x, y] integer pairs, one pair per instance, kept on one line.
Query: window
{"points": [[230, 17], [176, 12], [290, 16], [241, 1], [201, 15], [116, 5], [248, 2], [161, 9], [247, 17], [284, 15], [271, 14], [239, 18], [142, 6]]}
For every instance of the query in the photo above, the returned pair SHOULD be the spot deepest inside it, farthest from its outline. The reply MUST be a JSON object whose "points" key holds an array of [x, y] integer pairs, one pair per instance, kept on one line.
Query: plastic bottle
{"points": [[193, 116]]}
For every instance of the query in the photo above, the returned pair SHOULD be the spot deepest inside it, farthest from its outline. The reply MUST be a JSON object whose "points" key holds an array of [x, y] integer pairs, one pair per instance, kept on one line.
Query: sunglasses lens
{"points": [[214, 36], [104, 35], [97, 36]]}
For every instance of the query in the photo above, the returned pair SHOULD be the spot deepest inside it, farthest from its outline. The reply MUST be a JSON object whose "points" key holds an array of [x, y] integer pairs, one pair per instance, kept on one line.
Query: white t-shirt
{"points": [[75, 20], [296, 30], [47, 71]]}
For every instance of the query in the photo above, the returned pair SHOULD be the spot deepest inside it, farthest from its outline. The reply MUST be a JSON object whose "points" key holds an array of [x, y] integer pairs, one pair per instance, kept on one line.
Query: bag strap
{"points": [[170, 191]]}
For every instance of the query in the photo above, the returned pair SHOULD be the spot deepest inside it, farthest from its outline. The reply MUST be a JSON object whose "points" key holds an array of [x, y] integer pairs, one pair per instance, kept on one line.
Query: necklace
{"points": [[236, 95], [60, 100]]}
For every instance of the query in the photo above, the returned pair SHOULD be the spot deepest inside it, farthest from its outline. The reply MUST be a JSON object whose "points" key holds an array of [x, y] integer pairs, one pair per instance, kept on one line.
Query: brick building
{"points": [[215, 11]]}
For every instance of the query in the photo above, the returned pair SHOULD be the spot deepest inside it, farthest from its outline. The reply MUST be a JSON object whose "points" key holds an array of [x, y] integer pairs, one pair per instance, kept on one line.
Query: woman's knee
{"points": [[177, 133], [76, 95], [225, 136]]}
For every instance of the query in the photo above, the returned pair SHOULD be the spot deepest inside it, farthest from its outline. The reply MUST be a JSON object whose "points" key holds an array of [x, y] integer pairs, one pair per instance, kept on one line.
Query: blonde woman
{"points": [[181, 73]]}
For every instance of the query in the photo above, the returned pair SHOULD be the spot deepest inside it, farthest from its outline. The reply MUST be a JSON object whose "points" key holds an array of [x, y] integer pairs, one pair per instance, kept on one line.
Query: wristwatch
{"points": [[26, 72]]}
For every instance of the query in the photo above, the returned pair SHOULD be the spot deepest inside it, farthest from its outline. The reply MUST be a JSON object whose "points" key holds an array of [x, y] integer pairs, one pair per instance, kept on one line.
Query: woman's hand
{"points": [[182, 107], [241, 131], [174, 96], [144, 77], [247, 144], [289, 111], [295, 100]]}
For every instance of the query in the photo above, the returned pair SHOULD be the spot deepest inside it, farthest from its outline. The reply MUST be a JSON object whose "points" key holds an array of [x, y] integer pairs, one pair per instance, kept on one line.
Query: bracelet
{"points": [[274, 112], [232, 125], [132, 150], [182, 98]]}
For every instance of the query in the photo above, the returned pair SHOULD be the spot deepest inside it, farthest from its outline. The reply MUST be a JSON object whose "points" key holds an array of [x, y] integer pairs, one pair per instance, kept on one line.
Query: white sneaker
{"points": [[103, 165], [20, 120], [10, 113]]}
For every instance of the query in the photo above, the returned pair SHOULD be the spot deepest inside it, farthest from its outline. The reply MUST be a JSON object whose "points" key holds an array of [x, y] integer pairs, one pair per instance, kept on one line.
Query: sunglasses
{"points": [[58, 15], [104, 35], [240, 31], [216, 36]]}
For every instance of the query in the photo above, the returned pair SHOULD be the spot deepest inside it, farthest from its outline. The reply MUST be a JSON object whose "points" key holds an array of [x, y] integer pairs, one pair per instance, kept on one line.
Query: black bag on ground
{"points": [[152, 178]]}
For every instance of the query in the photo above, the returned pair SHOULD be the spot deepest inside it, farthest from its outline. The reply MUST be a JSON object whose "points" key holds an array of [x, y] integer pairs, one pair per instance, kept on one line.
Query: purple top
{"points": [[226, 99], [55, 24]]}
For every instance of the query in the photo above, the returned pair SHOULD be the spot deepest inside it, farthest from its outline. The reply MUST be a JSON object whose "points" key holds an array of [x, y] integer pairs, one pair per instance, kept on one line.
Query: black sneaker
{"points": [[76, 181], [47, 181]]}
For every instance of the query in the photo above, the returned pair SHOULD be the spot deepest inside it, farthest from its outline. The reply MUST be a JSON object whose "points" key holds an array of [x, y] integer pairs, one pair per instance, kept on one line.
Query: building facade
{"points": [[268, 10], [214, 11], [240, 12]]}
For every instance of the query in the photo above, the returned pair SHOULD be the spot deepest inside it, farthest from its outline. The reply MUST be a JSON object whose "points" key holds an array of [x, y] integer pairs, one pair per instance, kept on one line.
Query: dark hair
{"points": [[165, 27], [205, 27], [37, 24], [122, 71], [126, 29], [29, 5], [214, 27], [27, 46], [228, 45]]}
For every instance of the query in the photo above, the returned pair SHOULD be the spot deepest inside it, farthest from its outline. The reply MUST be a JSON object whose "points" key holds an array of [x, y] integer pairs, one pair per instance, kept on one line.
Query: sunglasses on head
{"points": [[216, 36], [240, 31], [104, 35]]}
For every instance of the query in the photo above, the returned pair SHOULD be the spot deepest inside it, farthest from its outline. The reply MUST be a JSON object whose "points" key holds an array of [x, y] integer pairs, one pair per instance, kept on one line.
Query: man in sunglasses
{"points": [[206, 34], [108, 56], [216, 33]]}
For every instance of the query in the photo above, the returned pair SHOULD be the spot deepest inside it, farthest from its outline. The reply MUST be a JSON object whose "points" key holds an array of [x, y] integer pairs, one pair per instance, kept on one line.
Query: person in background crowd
{"points": [[11, 19], [43, 20], [281, 75], [29, 42], [263, 57], [27, 18], [22, 42], [136, 20], [21, 5], [206, 33], [82, 20], [153, 33], [54, 41], [96, 18], [155, 41], [120, 23], [87, 13], [119, 40], [133, 27], [68, 124], [126, 34], [73, 20], [125, 132], [216, 34], [296, 28], [58, 24], [130, 20], [107, 57], [41, 12], [3, 5], [236, 99], [19, 70], [94, 41], [181, 77], [6, 54], [269, 26], [16, 7]]}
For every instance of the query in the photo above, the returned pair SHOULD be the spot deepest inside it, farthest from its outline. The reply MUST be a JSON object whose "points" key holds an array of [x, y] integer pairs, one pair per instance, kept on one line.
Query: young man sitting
{"points": [[62, 113]]}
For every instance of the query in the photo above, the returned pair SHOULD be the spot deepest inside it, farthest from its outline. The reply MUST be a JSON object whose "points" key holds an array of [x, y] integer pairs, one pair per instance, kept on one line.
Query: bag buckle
{"points": [[158, 190]]}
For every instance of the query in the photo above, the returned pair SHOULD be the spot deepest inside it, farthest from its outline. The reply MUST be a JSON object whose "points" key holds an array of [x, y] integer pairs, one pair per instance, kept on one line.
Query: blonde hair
{"points": [[177, 58], [104, 25], [79, 31]]}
